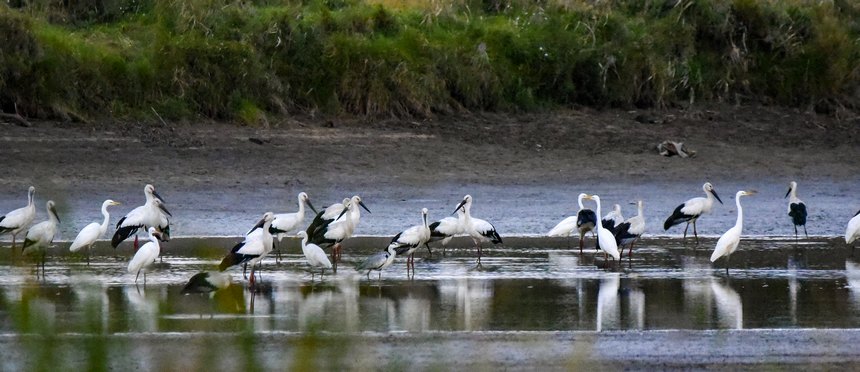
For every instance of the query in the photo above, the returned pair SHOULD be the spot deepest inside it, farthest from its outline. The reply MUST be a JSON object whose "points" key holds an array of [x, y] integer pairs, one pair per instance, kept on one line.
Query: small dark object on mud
{"points": [[671, 148], [255, 140]]}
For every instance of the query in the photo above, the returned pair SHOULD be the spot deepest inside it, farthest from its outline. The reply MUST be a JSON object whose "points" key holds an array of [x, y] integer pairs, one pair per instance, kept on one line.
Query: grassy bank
{"points": [[247, 60]]}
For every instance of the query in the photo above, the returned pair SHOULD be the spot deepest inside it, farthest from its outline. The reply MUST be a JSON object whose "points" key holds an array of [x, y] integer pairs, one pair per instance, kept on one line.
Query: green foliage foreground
{"points": [[244, 60]]}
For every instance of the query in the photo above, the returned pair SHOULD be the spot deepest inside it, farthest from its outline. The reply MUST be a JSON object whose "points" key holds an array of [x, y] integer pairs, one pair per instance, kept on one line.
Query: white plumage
{"points": [[447, 228], [630, 230], [153, 213], [253, 248], [333, 232], [605, 239], [285, 223], [90, 233], [728, 242], [145, 256], [407, 241], [584, 221], [692, 209], [314, 254], [17, 220], [852, 232], [614, 217], [41, 235], [479, 230]]}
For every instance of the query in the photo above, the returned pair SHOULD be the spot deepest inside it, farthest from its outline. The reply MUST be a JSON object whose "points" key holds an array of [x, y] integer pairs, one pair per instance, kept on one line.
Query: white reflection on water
{"points": [[730, 311], [852, 275], [143, 308], [611, 310], [471, 299]]}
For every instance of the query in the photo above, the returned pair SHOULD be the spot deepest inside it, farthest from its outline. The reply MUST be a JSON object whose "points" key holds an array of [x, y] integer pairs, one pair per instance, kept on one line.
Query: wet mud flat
{"points": [[533, 303]]}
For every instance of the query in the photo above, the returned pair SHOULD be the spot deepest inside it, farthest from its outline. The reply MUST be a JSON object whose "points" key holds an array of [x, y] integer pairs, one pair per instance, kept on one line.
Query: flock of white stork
{"points": [[338, 222]]}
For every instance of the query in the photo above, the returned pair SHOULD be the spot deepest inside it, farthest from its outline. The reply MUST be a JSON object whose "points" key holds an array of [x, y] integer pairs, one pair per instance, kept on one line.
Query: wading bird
{"points": [[341, 228], [92, 232], [327, 216], [728, 242], [41, 235], [852, 232], [285, 223], [612, 219], [17, 220], [253, 249], [315, 255], [445, 229], [584, 221], [407, 241], [796, 209], [605, 239], [207, 281], [153, 213], [378, 261], [479, 230], [692, 209], [145, 256], [629, 231]]}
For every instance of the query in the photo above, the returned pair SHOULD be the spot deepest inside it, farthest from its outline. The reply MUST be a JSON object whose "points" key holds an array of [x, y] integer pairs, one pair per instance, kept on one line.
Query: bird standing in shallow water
{"points": [[584, 221], [445, 229], [378, 261], [605, 239], [479, 230], [145, 256], [90, 233], [407, 241], [251, 250], [629, 231], [728, 242], [17, 220], [315, 256], [796, 209], [692, 209], [285, 223], [41, 235], [153, 213]]}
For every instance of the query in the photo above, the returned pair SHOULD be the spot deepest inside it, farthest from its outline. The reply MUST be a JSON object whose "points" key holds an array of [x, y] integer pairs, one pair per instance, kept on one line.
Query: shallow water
{"points": [[665, 285]]}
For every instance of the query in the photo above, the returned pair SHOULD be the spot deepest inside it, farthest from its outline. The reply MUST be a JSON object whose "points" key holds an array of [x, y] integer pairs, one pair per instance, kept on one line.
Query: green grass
{"points": [[246, 61]]}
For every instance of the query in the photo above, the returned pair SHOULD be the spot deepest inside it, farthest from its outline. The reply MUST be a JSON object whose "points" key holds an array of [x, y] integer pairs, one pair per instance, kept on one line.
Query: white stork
{"points": [[153, 213], [17, 220], [479, 230], [630, 230], [584, 221], [407, 241], [796, 209], [692, 209], [252, 249], [41, 235]]}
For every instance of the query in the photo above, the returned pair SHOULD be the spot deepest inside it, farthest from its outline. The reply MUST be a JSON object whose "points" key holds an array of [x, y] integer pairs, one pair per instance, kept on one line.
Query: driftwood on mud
{"points": [[16, 119], [671, 148]]}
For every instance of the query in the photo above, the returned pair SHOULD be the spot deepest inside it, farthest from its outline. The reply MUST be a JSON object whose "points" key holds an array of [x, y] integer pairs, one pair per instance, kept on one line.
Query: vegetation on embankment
{"points": [[245, 60]]}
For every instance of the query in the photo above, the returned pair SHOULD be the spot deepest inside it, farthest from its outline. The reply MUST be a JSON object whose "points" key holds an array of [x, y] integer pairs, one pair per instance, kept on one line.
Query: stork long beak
{"points": [[787, 192], [361, 203], [716, 196], [259, 224], [155, 194], [462, 203], [341, 214], [164, 209], [311, 205]]}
